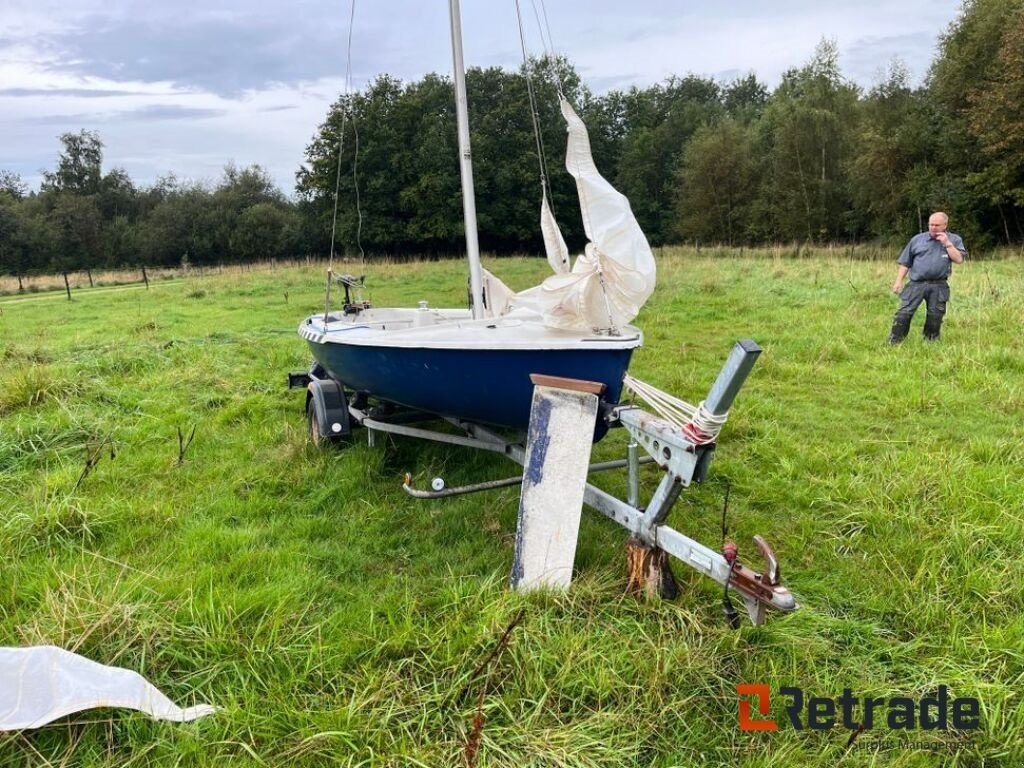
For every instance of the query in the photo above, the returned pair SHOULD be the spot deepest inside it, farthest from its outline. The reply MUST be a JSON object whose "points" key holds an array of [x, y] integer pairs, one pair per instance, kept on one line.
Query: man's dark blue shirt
{"points": [[927, 258]]}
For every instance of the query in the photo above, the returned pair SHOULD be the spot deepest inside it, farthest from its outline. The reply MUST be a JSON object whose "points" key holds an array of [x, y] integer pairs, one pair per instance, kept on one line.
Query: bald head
{"points": [[937, 222]]}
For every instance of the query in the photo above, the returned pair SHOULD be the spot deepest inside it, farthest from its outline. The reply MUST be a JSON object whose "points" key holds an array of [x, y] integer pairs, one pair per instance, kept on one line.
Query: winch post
{"points": [[732, 376]]}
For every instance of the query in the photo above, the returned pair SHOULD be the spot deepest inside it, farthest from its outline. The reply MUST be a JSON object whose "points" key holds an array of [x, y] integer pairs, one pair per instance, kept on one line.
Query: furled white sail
{"points": [[554, 244], [615, 275]]}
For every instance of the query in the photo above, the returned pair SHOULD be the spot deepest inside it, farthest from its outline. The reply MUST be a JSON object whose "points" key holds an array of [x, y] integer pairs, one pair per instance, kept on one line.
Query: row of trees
{"points": [[817, 159], [83, 218]]}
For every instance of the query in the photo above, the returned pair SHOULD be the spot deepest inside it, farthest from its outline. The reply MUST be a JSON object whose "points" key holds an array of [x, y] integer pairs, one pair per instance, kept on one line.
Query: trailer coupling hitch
{"points": [[759, 590]]}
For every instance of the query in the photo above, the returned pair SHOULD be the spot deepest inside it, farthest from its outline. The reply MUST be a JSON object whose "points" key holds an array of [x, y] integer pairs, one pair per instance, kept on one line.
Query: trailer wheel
{"points": [[316, 437], [327, 412]]}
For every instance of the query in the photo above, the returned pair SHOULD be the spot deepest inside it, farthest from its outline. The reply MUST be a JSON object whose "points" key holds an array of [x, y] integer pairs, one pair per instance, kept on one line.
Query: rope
{"points": [[359, 207], [541, 156], [337, 176], [341, 135], [337, 187], [334, 220], [696, 422], [549, 43]]}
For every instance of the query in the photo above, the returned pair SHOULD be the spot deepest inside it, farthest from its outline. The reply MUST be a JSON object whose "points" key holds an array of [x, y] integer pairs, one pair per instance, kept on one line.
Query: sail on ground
{"points": [[615, 275]]}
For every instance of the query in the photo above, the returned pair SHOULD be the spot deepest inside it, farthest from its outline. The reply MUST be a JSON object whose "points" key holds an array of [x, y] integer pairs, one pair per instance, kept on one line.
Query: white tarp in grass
{"points": [[43, 683]]}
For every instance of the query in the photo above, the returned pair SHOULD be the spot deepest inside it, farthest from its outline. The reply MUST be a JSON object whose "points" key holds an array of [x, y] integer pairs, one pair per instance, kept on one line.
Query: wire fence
{"points": [[85, 279]]}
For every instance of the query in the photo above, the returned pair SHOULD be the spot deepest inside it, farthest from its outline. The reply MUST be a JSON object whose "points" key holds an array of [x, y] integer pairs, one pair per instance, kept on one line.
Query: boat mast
{"points": [[466, 164]]}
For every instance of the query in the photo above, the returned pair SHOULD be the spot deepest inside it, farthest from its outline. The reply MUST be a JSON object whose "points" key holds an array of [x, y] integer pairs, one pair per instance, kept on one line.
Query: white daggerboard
{"points": [[562, 418]]}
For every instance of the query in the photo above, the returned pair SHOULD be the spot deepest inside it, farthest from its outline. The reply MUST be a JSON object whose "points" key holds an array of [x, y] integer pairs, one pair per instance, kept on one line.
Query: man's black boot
{"points": [[900, 328], [932, 326]]}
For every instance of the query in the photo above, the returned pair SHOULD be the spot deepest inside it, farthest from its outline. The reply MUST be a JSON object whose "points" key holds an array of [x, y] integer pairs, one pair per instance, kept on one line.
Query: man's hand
{"points": [[943, 239], [897, 287]]}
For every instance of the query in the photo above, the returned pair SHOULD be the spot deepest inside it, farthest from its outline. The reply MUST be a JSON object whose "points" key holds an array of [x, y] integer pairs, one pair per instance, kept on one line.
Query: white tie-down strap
{"points": [[43, 683]]}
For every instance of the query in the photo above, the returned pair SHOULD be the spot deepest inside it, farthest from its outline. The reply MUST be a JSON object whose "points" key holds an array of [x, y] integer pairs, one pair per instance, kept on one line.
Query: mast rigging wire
{"points": [[549, 43], [545, 181], [345, 105]]}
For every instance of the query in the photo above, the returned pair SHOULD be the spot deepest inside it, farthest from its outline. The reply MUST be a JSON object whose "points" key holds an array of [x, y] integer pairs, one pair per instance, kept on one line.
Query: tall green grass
{"points": [[334, 619]]}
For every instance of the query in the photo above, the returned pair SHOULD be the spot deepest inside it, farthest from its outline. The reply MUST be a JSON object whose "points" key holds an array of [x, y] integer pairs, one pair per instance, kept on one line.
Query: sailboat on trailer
{"points": [[474, 367], [475, 364]]}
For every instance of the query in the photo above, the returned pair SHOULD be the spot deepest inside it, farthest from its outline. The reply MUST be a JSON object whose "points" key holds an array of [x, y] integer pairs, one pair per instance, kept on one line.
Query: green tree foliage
{"points": [[78, 168], [662, 120], [717, 183], [892, 184], [745, 98], [264, 231], [969, 82], [82, 218], [399, 186], [13, 248], [12, 241], [119, 244], [12, 186], [997, 125], [352, 152], [76, 221], [180, 228], [117, 196], [809, 126], [38, 243]]}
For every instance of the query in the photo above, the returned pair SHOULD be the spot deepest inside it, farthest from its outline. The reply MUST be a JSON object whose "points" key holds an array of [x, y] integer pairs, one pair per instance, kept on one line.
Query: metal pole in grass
{"points": [[145, 277], [89, 273], [67, 286]]}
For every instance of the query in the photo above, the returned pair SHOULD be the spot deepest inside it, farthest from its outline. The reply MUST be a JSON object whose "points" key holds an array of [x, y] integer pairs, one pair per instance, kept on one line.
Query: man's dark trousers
{"points": [[935, 294]]}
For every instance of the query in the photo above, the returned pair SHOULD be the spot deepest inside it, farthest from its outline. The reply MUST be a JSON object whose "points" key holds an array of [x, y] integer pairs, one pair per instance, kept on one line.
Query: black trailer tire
{"points": [[316, 437], [327, 412]]}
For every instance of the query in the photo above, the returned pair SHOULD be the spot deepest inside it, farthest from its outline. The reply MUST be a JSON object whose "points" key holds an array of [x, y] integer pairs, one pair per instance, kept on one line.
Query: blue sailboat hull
{"points": [[490, 386]]}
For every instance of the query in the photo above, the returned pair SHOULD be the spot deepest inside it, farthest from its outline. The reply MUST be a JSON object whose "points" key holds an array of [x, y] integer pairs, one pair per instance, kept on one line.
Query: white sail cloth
{"points": [[554, 243], [615, 275], [42, 683]]}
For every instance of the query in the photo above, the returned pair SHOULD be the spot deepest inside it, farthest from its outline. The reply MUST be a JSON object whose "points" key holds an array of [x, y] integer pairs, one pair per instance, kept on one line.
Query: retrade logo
{"points": [[761, 692], [938, 712]]}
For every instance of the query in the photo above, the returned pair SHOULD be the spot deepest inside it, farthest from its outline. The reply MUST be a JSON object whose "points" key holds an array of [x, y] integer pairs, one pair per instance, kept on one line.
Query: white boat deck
{"points": [[454, 329]]}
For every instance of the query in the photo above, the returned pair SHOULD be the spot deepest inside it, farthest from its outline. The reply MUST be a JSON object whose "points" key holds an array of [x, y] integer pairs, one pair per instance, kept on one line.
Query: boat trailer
{"points": [[682, 454]]}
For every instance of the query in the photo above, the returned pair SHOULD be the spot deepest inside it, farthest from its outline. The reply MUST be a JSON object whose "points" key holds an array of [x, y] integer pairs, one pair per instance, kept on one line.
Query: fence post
{"points": [[67, 286], [145, 277]]}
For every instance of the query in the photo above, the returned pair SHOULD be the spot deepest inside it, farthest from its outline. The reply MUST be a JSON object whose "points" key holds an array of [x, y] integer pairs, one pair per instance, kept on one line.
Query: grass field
{"points": [[336, 620]]}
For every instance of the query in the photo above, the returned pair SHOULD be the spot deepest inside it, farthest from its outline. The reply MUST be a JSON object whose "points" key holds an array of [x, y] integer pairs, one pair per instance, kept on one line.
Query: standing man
{"points": [[929, 259]]}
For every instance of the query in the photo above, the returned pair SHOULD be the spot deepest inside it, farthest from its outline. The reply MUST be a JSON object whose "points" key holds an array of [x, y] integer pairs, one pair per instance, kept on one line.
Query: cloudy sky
{"points": [[186, 86]]}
